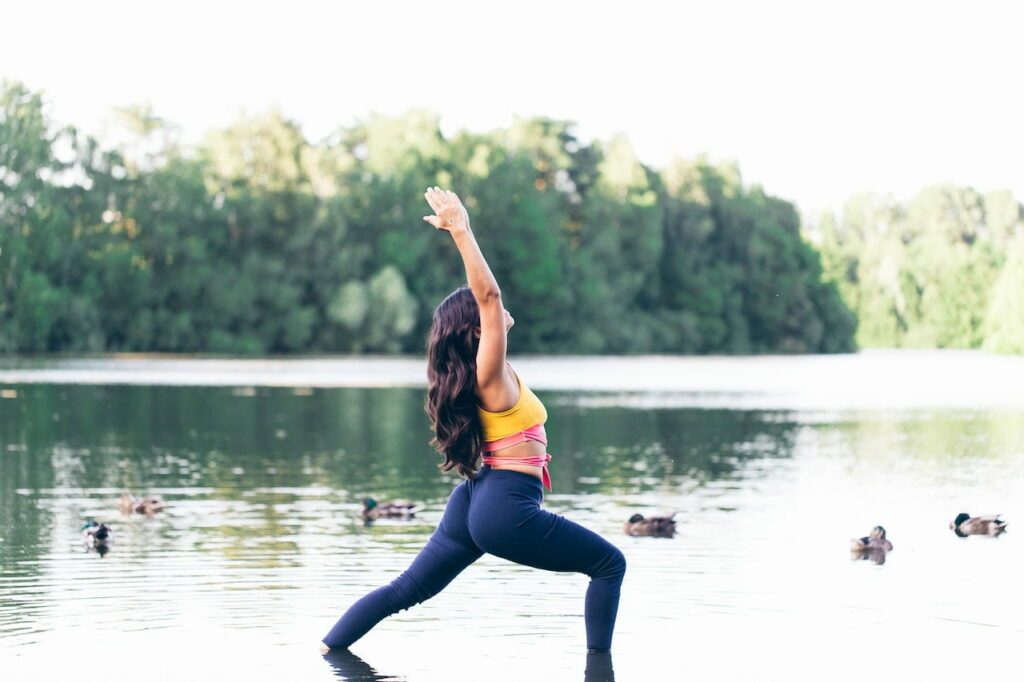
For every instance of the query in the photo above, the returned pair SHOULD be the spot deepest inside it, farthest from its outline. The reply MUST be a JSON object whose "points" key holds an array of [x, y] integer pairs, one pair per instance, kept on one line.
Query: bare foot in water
{"points": [[324, 649]]}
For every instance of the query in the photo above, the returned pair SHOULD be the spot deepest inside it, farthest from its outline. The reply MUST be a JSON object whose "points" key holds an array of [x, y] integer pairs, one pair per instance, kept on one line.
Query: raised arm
{"points": [[450, 215]]}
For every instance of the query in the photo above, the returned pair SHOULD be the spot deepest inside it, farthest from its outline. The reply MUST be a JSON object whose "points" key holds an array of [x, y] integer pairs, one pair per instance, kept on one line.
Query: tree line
{"points": [[258, 240], [942, 270]]}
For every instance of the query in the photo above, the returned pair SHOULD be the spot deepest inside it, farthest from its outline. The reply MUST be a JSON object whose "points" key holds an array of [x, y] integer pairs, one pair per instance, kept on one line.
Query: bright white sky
{"points": [[816, 100]]}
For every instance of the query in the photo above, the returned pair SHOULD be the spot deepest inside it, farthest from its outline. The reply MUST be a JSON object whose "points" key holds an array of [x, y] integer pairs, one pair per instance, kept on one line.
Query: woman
{"points": [[476, 403]]}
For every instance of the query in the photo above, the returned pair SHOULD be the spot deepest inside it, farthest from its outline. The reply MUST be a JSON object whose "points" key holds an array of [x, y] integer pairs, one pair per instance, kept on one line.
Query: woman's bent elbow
{"points": [[490, 296]]}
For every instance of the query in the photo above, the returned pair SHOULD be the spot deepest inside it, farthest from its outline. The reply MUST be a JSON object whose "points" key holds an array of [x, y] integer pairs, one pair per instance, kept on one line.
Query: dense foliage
{"points": [[944, 270], [258, 241]]}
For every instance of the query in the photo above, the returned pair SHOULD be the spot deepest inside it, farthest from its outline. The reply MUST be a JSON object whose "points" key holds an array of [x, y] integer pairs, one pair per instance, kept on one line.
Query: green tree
{"points": [[1004, 321]]}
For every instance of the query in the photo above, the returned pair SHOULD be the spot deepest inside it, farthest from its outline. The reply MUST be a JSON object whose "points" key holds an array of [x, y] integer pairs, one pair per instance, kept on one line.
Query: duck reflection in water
{"points": [[875, 555], [349, 667]]}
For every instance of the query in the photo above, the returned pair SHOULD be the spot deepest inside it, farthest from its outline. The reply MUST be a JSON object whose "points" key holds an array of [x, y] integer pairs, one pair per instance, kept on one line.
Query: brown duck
{"points": [[148, 505], [654, 526], [874, 542]]}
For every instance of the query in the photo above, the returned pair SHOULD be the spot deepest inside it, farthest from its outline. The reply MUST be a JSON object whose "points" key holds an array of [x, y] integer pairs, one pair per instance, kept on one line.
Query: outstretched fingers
{"points": [[432, 198]]}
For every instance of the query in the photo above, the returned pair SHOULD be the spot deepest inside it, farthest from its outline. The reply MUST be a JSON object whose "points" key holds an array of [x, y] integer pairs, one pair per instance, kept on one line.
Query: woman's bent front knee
{"points": [[613, 566]]}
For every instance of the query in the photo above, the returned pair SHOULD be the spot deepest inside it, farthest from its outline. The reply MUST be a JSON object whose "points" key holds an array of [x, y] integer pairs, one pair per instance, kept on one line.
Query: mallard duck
{"points": [[875, 541], [396, 509], [655, 526], [964, 524], [97, 534], [149, 505]]}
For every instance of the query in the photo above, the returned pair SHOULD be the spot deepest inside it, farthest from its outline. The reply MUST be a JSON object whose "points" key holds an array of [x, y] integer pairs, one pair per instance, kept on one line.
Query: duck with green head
{"points": [[395, 509], [965, 524], [97, 536]]}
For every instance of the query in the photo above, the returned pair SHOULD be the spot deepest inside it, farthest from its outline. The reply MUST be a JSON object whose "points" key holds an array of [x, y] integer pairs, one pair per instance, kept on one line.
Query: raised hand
{"points": [[449, 212]]}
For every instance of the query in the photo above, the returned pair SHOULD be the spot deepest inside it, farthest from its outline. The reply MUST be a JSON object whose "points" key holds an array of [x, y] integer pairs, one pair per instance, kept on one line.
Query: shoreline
{"points": [[873, 379]]}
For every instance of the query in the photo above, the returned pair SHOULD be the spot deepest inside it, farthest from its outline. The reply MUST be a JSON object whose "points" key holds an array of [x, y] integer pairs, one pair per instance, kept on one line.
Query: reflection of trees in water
{"points": [[253, 445], [24, 526], [139, 437], [629, 450], [937, 441], [351, 440]]}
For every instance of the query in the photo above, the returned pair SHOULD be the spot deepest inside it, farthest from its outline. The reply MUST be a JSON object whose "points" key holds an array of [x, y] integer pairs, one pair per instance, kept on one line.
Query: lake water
{"points": [[772, 465]]}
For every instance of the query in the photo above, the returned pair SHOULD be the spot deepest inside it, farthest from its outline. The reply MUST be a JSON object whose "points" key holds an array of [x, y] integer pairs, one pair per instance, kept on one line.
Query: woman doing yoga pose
{"points": [[477, 404]]}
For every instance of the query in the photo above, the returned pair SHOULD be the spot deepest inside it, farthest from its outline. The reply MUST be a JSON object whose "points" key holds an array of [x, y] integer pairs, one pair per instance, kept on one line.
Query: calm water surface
{"points": [[261, 547]]}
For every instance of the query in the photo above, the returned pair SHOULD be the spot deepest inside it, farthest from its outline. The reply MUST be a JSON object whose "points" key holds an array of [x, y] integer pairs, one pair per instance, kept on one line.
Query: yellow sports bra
{"points": [[527, 412]]}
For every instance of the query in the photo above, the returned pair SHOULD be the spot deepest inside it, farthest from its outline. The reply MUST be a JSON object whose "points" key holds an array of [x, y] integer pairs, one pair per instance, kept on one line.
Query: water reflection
{"points": [[263, 535], [140, 438], [875, 555], [279, 450], [347, 666]]}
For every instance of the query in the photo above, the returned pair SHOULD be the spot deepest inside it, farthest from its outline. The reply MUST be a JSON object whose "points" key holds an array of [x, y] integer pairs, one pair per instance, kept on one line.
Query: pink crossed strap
{"points": [[536, 433]]}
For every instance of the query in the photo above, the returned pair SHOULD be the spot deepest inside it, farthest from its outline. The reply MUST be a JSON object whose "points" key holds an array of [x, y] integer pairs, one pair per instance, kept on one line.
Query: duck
{"points": [[964, 524], [655, 526], [875, 541], [396, 509], [97, 535], [149, 505]]}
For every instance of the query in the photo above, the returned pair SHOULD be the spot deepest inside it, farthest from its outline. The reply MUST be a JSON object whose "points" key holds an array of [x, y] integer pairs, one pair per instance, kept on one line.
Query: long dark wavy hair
{"points": [[451, 377]]}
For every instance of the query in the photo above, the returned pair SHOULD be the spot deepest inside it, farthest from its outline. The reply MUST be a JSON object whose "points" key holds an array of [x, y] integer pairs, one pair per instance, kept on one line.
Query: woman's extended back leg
{"points": [[448, 552]]}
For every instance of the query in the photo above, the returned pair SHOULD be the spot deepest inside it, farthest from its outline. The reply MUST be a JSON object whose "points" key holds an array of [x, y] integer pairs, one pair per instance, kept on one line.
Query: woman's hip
{"points": [[498, 487]]}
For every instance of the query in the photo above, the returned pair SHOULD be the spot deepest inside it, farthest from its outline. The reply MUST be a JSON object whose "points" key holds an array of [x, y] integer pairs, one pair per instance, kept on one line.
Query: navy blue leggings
{"points": [[498, 513]]}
